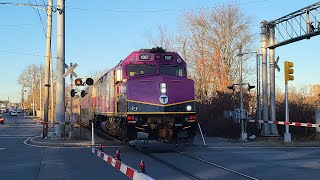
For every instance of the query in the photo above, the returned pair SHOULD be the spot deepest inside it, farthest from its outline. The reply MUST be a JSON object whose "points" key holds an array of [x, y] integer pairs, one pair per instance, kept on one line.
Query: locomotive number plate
{"points": [[144, 56]]}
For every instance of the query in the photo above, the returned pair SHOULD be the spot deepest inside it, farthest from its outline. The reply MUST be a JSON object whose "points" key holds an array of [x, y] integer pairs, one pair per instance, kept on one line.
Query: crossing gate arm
{"points": [[286, 123]]}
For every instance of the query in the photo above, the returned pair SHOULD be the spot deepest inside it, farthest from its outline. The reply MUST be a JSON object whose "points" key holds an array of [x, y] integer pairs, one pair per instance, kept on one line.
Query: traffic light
{"points": [[89, 81], [288, 71], [78, 82], [73, 93], [83, 93]]}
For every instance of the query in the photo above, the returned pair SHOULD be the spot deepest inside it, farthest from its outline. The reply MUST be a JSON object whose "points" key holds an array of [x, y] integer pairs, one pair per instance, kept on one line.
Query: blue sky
{"points": [[107, 31]]}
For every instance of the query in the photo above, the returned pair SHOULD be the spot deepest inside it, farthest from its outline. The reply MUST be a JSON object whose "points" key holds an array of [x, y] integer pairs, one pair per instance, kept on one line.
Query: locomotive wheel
{"points": [[123, 134]]}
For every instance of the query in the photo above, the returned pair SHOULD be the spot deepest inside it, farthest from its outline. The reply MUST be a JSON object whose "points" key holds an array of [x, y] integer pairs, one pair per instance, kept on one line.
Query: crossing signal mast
{"points": [[288, 76], [296, 26]]}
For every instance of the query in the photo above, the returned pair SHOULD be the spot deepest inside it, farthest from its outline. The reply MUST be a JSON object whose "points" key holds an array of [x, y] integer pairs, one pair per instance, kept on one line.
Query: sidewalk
{"points": [[257, 142], [78, 138]]}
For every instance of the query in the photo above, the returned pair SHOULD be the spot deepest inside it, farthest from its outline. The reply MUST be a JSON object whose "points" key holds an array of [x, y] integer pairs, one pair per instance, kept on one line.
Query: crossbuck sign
{"points": [[70, 70]]}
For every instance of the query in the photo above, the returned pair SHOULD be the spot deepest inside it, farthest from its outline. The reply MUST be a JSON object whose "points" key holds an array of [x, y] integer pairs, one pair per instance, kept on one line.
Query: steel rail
{"points": [[216, 165]]}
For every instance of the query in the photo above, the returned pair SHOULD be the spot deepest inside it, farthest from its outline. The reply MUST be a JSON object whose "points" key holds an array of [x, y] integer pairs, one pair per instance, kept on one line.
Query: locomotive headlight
{"points": [[163, 88], [189, 108]]}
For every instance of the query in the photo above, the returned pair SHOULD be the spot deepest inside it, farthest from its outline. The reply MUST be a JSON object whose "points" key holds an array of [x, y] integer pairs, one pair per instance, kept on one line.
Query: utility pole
{"points": [[60, 90], [33, 110], [40, 94], [242, 118], [258, 88], [22, 101], [273, 127], [264, 40], [47, 70], [52, 92]]}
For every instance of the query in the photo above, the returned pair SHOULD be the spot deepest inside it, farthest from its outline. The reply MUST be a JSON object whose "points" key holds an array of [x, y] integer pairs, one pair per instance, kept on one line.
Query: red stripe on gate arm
{"points": [[298, 124], [265, 122], [109, 160], [118, 164], [286, 123], [102, 155], [309, 125], [275, 122], [130, 173]]}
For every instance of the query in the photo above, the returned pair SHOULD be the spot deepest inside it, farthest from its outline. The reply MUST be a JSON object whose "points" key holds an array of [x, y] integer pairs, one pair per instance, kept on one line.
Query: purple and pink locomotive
{"points": [[147, 94]]}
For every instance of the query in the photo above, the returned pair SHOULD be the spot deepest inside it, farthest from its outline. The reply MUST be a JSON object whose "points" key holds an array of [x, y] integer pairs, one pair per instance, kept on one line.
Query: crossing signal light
{"points": [[288, 71], [73, 93], [231, 87], [83, 93], [250, 87], [78, 82], [89, 81]]}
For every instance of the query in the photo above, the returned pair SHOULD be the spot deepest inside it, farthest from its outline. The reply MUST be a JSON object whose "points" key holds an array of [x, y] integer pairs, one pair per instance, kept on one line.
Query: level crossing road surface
{"points": [[220, 160], [20, 161]]}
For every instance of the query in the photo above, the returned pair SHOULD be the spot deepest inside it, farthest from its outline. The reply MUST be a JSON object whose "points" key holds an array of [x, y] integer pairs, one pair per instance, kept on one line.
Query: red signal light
{"points": [[78, 82]]}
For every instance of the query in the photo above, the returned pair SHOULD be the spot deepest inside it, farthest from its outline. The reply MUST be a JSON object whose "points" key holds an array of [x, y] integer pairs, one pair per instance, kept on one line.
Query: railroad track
{"points": [[174, 166], [188, 174], [216, 165]]}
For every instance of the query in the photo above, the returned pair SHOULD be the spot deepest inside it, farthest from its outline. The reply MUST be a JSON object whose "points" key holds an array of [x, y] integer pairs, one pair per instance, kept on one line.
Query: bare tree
{"points": [[30, 79], [209, 43], [163, 39]]}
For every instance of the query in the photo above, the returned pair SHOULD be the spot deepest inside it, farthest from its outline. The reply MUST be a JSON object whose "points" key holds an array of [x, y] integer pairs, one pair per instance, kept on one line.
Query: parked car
{"points": [[13, 113], [1, 119]]}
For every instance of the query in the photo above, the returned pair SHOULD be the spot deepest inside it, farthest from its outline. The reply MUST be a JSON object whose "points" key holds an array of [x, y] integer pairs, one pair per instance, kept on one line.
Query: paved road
{"points": [[228, 160], [19, 160], [231, 161]]}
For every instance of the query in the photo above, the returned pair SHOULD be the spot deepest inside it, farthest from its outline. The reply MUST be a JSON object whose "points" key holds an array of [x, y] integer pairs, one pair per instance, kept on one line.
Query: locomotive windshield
{"points": [[140, 69], [176, 70]]}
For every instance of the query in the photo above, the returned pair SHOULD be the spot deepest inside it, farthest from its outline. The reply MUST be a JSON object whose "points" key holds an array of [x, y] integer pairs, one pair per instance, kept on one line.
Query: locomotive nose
{"points": [[160, 93]]}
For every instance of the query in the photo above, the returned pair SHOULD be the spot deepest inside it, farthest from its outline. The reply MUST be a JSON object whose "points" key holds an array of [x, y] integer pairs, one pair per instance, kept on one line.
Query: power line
{"points": [[21, 4], [36, 10], [15, 25], [22, 53]]}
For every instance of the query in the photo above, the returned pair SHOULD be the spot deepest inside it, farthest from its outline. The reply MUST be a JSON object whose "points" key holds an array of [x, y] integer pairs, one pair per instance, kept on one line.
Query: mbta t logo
{"points": [[163, 99]]}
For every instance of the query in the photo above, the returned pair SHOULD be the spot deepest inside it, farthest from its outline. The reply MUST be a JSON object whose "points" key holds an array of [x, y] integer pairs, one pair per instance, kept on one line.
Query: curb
{"points": [[60, 144]]}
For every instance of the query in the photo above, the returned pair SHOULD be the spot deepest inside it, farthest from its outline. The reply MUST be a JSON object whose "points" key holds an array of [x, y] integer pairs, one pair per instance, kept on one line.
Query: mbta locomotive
{"points": [[147, 95]]}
